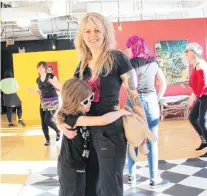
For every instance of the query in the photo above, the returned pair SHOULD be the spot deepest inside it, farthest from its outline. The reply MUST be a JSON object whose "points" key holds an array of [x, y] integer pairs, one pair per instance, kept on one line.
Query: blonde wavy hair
{"points": [[104, 63], [74, 91]]}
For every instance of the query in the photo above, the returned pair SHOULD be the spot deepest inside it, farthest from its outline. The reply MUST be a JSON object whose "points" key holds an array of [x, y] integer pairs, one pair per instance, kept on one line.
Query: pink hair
{"points": [[139, 47]]}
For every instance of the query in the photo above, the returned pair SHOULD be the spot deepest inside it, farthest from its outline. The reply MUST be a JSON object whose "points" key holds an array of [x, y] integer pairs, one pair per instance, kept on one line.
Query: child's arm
{"points": [[101, 120]]}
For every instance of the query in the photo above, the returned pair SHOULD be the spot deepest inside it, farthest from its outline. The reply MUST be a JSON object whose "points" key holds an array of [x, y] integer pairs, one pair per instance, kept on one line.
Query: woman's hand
{"points": [[191, 100], [65, 128], [52, 81], [30, 90], [184, 85]]}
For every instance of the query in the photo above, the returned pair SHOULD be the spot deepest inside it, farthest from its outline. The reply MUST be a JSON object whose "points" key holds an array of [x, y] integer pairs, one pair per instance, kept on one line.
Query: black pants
{"points": [[110, 149], [9, 111], [72, 182], [46, 120], [198, 116]]}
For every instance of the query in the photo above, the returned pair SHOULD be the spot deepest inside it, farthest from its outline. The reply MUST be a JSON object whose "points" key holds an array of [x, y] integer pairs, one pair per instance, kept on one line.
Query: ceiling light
{"points": [[23, 23]]}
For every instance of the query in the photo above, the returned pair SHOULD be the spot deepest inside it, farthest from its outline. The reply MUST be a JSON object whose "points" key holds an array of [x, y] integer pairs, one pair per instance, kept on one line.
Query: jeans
{"points": [[152, 112]]}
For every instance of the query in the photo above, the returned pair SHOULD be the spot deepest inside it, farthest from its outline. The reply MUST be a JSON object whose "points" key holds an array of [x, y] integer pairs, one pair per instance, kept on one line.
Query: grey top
{"points": [[146, 72]]}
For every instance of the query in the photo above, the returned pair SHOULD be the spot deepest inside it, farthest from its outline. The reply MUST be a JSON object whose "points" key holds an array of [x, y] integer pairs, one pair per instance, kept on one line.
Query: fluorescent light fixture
{"points": [[23, 23]]}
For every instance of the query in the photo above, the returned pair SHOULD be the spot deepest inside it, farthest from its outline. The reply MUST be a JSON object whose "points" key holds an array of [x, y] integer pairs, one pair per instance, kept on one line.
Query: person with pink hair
{"points": [[147, 70]]}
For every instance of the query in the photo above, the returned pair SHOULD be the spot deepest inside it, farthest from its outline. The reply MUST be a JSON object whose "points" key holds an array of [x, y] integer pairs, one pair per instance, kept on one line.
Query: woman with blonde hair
{"points": [[105, 70], [74, 152], [198, 83]]}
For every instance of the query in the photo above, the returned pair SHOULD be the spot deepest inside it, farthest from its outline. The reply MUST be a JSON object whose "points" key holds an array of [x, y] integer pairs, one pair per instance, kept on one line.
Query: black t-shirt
{"points": [[146, 70], [106, 88], [46, 88], [71, 150]]}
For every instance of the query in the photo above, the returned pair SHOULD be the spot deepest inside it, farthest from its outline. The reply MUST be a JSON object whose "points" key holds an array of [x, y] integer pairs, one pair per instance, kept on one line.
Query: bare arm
{"points": [[55, 83], [37, 91], [161, 82], [101, 120], [129, 80], [17, 85]]}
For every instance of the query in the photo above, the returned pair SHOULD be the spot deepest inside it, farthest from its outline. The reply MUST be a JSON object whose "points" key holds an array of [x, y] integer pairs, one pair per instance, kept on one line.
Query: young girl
{"points": [[76, 102]]}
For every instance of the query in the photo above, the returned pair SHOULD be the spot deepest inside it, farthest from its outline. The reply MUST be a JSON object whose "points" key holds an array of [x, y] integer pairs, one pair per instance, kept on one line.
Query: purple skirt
{"points": [[50, 104]]}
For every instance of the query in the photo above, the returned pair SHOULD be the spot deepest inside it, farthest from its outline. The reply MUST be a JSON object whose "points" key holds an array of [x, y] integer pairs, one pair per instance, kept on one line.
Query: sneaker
{"points": [[11, 124], [201, 147], [132, 180], [21, 123], [47, 143], [154, 184], [58, 136], [204, 155]]}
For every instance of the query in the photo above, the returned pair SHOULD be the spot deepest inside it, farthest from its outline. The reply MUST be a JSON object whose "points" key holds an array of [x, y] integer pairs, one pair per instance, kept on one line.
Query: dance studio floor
{"points": [[29, 169]]}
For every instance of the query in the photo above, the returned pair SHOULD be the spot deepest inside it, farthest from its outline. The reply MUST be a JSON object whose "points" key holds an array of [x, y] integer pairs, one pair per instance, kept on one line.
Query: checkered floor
{"points": [[188, 177]]}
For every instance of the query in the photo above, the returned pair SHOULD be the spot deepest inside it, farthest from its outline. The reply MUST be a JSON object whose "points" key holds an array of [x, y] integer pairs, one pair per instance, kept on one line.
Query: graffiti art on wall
{"points": [[170, 55]]}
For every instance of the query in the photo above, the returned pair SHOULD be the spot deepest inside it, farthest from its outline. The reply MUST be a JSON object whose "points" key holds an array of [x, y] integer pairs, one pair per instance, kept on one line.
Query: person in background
{"points": [[9, 87], [147, 72], [198, 83], [46, 88], [50, 69]]}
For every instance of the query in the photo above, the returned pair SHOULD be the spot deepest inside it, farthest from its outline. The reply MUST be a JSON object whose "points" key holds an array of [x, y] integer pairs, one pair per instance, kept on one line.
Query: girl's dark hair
{"points": [[43, 63], [50, 67], [8, 74]]}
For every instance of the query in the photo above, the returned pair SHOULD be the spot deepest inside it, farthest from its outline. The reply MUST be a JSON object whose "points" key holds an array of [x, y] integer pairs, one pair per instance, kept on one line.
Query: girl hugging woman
{"points": [[76, 98]]}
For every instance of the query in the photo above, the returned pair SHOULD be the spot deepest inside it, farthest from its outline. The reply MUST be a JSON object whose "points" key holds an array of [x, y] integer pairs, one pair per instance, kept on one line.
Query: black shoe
{"points": [[58, 136], [132, 180], [21, 123], [11, 124], [201, 147], [204, 155], [162, 183], [47, 143]]}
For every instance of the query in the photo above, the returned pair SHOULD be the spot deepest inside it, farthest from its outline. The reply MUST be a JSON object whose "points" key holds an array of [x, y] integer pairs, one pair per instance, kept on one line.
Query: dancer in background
{"points": [[75, 151], [198, 83], [50, 69], [147, 71], [46, 88], [9, 87]]}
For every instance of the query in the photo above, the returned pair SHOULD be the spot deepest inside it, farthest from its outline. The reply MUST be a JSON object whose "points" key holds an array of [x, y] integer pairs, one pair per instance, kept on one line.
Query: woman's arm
{"points": [[16, 85], [129, 80], [54, 81], [101, 120], [37, 91], [160, 77]]}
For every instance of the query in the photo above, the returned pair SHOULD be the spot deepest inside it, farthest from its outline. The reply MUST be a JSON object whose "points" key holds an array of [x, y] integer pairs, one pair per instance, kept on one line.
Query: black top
{"points": [[71, 150], [46, 88], [106, 88], [146, 71]]}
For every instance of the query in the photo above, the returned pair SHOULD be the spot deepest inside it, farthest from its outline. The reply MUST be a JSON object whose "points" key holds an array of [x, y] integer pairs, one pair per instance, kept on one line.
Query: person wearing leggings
{"points": [[198, 83], [46, 88], [11, 100]]}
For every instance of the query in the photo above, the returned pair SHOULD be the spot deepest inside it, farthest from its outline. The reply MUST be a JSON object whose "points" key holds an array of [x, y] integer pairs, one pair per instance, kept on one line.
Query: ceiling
{"points": [[32, 20]]}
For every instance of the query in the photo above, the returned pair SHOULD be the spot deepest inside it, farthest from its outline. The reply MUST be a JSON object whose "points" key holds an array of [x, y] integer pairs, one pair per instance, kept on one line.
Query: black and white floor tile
{"points": [[187, 177]]}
